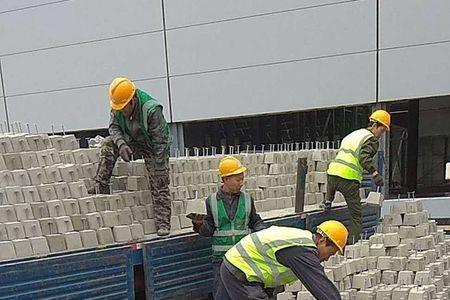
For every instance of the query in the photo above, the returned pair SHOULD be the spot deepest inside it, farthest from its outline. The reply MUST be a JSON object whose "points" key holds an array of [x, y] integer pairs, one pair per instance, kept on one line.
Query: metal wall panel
{"points": [[77, 109], [343, 80], [139, 57], [71, 22], [410, 22], [274, 38], [414, 72], [8, 5], [188, 12], [100, 274]]}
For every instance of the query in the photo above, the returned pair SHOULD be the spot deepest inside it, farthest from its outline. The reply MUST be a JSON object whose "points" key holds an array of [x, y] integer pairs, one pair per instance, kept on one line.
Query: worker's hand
{"points": [[378, 179], [197, 220], [125, 152]]}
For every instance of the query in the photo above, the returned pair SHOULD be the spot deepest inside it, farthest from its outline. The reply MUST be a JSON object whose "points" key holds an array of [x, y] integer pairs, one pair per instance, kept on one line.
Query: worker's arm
{"points": [[115, 131], [255, 222], [368, 151], [305, 263], [159, 133], [208, 227]]}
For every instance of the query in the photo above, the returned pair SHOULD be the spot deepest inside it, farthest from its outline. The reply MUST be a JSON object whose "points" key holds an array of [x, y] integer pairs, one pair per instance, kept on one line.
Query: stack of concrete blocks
{"points": [[407, 259]]}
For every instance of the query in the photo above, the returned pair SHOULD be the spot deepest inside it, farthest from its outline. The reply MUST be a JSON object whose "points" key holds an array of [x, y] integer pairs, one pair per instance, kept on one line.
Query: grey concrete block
{"points": [[407, 232], [130, 198], [389, 277], [175, 223], [5, 145], [23, 248], [79, 222], [71, 207], [391, 239], [150, 211], [63, 224], [36, 142], [416, 263], [15, 230], [67, 157], [105, 236], [78, 189], [40, 210], [384, 262], [19, 143], [7, 250], [37, 176], [31, 194], [87, 205], [3, 197], [56, 208], [81, 156], [8, 213], [89, 238], [52, 173], [398, 263], [125, 216], [56, 243], [73, 240], [110, 218], [23, 211], [138, 168], [21, 178], [122, 168], [3, 233], [6, 179], [13, 161], [94, 220], [32, 228], [392, 220], [47, 192], [136, 183], [69, 173], [48, 226], [145, 197], [45, 158], [377, 250], [39, 245], [14, 194], [137, 231], [139, 213], [70, 142], [122, 233], [149, 226]]}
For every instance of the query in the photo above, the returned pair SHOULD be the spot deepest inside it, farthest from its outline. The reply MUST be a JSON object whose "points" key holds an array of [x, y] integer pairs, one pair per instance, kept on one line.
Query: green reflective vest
{"points": [[255, 254], [147, 104], [346, 164], [229, 232]]}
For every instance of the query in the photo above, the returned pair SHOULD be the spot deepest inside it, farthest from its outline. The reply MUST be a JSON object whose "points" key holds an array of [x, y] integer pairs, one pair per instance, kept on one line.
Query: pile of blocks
{"points": [[407, 259]]}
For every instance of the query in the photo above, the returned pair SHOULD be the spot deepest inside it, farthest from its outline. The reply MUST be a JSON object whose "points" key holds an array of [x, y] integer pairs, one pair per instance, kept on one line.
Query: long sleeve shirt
{"points": [[230, 202], [305, 264], [133, 136], [368, 151]]}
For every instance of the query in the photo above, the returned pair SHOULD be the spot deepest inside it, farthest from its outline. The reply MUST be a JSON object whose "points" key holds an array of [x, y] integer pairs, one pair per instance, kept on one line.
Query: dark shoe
{"points": [[325, 205], [99, 188], [163, 231]]}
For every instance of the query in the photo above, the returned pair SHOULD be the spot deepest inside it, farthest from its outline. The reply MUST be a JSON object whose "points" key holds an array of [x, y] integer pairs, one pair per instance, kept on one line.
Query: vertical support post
{"points": [[302, 169]]}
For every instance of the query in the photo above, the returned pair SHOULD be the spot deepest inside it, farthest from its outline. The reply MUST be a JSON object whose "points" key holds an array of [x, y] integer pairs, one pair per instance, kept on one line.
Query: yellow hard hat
{"points": [[381, 116], [230, 165], [336, 232], [121, 91]]}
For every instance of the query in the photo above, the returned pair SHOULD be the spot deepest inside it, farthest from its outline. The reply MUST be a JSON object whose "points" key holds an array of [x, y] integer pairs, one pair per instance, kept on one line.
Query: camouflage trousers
{"points": [[159, 180]]}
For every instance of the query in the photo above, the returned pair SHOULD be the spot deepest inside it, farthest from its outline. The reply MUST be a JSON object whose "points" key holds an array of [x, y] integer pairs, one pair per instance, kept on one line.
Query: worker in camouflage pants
{"points": [[138, 129]]}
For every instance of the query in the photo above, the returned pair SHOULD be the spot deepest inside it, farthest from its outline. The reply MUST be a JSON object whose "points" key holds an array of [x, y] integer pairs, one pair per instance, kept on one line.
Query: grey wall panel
{"points": [[308, 84], [76, 21], [187, 12], [139, 57], [9, 5], [288, 36], [409, 22], [414, 72], [80, 109]]}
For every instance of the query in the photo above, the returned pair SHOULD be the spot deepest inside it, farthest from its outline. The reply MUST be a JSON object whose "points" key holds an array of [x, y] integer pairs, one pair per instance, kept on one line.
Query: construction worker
{"points": [[345, 172], [231, 213], [137, 128], [280, 255]]}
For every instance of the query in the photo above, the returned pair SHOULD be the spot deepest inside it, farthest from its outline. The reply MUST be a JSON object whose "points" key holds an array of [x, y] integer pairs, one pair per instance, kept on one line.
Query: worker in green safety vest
{"points": [[277, 256], [231, 213], [345, 172]]}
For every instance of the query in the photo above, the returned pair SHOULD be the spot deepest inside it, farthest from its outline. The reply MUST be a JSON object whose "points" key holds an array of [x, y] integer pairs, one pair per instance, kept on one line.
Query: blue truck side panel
{"points": [[100, 274]]}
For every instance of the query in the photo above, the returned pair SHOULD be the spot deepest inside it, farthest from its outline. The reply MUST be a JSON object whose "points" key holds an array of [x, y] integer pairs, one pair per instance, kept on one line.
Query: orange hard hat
{"points": [[382, 117], [336, 232], [230, 165], [121, 91]]}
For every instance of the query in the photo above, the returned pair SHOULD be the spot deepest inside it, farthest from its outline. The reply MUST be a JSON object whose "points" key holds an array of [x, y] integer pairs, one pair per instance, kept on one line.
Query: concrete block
{"points": [[19, 143], [138, 168], [56, 208], [13, 161], [6, 178], [70, 142], [52, 173], [175, 223], [286, 296], [139, 213], [377, 250], [391, 239], [56, 242], [69, 173], [422, 230], [39, 245], [130, 198], [21, 178], [412, 206], [304, 295], [47, 192], [178, 207], [67, 157], [23, 248], [361, 281], [79, 222], [115, 202], [424, 243], [339, 272], [35, 142], [56, 141], [122, 233], [136, 183], [39, 209], [365, 295], [73, 240], [71, 207], [398, 263], [63, 224], [423, 278], [78, 189], [94, 220], [89, 238], [407, 232], [411, 219], [416, 263], [37, 176], [110, 218], [195, 206], [3, 197], [5, 145], [105, 236], [3, 233], [31, 194], [125, 216], [8, 213], [384, 262], [48, 226], [14, 194], [185, 222], [389, 277], [149, 226], [145, 197], [23, 211], [32, 228], [122, 168], [137, 231], [399, 251], [15, 230], [372, 262], [276, 169], [392, 220], [88, 170], [45, 158], [81, 156], [7, 250], [150, 211], [87, 205]]}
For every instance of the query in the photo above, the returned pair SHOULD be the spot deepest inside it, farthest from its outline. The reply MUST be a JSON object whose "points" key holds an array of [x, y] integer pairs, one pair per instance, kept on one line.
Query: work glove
{"points": [[125, 152], [378, 179], [197, 220]]}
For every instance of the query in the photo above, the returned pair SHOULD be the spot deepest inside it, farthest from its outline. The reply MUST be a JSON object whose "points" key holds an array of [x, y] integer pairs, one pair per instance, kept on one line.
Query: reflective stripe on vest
{"points": [[346, 164], [234, 232], [255, 254]]}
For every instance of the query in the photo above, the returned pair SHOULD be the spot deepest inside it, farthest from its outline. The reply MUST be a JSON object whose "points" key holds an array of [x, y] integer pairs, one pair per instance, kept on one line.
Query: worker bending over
{"points": [[280, 255], [345, 172], [231, 213], [137, 128]]}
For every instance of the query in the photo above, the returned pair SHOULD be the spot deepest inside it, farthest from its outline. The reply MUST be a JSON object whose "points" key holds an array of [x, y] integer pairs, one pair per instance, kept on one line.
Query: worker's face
{"points": [[233, 183], [378, 130], [128, 109], [326, 250]]}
